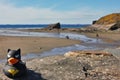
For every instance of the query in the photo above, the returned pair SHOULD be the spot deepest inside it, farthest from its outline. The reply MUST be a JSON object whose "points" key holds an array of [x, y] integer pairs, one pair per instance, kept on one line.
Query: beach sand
{"points": [[32, 44], [103, 65], [108, 36], [105, 36], [41, 44]]}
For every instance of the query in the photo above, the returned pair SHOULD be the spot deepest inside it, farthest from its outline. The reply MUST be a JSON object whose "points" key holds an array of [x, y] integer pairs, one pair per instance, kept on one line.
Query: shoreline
{"points": [[96, 66], [107, 36], [32, 44]]}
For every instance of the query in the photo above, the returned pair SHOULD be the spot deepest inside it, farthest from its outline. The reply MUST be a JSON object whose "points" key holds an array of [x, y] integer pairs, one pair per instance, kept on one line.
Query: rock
{"points": [[115, 26], [94, 22], [109, 19], [90, 29], [115, 52], [83, 67], [118, 48], [89, 52], [102, 26], [54, 26], [108, 22]]}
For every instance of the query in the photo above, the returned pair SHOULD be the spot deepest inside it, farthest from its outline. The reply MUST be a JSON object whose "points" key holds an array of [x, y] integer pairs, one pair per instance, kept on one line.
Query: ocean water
{"points": [[35, 26]]}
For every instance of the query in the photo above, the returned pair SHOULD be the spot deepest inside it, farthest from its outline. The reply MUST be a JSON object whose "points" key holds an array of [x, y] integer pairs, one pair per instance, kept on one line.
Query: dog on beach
{"points": [[14, 67]]}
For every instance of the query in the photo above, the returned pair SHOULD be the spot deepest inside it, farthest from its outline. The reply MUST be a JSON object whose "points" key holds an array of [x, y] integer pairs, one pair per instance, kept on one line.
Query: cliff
{"points": [[108, 22], [109, 19]]}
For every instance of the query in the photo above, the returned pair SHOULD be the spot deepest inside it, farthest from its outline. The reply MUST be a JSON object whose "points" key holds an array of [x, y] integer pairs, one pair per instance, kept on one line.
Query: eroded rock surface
{"points": [[102, 66]]}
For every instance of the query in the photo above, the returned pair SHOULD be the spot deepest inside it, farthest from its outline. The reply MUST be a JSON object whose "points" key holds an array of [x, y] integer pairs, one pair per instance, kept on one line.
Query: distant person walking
{"points": [[97, 35]]}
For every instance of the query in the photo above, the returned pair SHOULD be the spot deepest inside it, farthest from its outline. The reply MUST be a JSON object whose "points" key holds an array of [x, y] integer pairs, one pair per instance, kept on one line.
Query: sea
{"points": [[38, 26]]}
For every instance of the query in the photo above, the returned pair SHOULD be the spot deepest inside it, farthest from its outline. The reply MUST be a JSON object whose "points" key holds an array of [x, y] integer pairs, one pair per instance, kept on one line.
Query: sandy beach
{"points": [[41, 44], [51, 67], [32, 44], [105, 36]]}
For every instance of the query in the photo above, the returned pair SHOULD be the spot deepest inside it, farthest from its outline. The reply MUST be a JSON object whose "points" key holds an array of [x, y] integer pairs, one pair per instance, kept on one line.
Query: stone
{"points": [[54, 26], [108, 22], [89, 52]]}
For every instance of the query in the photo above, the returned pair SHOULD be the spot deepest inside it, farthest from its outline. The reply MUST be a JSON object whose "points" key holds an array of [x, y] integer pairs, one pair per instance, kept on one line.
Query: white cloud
{"points": [[9, 14]]}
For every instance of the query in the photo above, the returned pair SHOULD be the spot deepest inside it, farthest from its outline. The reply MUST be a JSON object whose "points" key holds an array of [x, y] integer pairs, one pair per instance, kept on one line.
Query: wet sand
{"points": [[41, 44], [109, 37], [32, 44]]}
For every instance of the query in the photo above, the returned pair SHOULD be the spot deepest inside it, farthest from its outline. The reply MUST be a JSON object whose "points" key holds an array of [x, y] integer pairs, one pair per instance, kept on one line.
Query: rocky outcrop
{"points": [[102, 27], [108, 22], [81, 65], [94, 22], [109, 19], [54, 26], [115, 26], [87, 52]]}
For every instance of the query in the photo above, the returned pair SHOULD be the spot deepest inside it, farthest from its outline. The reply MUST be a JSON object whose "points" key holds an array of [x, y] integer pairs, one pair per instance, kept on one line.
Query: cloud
{"points": [[10, 14]]}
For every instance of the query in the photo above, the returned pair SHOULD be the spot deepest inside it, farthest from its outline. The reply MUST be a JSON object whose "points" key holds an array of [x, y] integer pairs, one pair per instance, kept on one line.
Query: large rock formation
{"points": [[115, 26], [109, 19], [53, 26], [108, 22]]}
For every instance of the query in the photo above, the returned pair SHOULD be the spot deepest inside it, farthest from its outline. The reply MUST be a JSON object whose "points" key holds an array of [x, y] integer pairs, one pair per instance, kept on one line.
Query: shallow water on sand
{"points": [[43, 34], [88, 43]]}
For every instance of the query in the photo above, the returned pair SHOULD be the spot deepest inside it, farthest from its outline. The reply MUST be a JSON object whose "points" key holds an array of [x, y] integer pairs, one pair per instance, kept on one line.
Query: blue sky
{"points": [[52, 11]]}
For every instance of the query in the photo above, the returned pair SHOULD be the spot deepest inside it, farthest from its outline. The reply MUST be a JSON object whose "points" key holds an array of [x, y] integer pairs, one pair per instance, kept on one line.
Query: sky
{"points": [[53, 11]]}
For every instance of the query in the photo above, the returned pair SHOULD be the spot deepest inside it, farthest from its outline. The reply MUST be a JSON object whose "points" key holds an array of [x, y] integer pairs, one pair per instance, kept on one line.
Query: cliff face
{"points": [[108, 22]]}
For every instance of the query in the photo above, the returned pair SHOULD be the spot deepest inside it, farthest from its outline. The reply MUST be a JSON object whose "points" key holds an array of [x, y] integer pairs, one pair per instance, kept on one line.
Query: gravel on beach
{"points": [[80, 67]]}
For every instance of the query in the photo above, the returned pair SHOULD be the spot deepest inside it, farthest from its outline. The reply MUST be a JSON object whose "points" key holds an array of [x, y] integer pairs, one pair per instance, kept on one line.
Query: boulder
{"points": [[94, 22], [87, 52], [54, 26]]}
